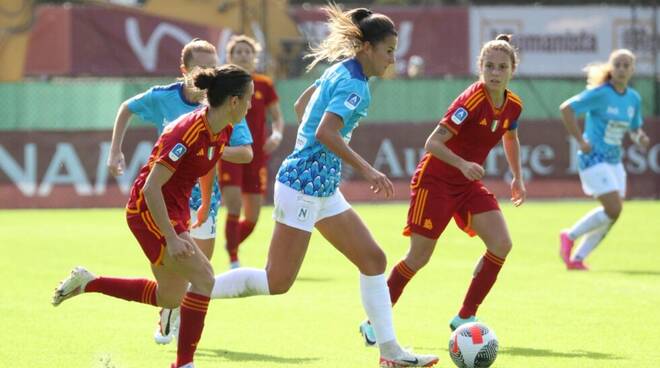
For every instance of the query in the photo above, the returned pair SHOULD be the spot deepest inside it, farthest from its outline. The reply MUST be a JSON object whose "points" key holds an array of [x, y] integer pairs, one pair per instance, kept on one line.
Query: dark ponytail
{"points": [[222, 82], [503, 37]]}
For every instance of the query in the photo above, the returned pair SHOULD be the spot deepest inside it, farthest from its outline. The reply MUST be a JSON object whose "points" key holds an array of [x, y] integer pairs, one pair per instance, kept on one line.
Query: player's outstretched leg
{"points": [[72, 285]]}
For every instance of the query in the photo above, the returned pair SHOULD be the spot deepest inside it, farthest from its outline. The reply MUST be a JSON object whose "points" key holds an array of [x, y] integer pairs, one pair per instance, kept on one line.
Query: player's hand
{"points": [[179, 248], [379, 182], [472, 171], [518, 191], [585, 147], [116, 163], [272, 143], [643, 140], [202, 215]]}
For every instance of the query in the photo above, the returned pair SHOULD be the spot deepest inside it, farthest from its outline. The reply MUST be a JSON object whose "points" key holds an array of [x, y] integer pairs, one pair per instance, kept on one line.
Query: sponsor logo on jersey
{"points": [[459, 116], [352, 101], [613, 110], [177, 152]]}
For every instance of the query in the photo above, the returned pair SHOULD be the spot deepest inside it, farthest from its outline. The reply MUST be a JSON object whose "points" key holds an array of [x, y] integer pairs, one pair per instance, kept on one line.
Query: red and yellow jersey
{"points": [[477, 126], [264, 96], [189, 149]]}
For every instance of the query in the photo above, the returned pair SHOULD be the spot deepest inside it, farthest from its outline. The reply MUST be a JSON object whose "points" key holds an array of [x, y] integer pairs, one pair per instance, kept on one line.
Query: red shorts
{"points": [[432, 206], [251, 177], [146, 232]]}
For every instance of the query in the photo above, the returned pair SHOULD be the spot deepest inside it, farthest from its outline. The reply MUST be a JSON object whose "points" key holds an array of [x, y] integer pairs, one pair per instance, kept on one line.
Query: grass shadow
{"points": [[533, 352], [636, 272], [250, 357], [314, 279]]}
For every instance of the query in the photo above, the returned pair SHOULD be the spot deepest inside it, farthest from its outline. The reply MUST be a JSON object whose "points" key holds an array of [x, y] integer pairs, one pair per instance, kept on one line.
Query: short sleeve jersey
{"points": [[477, 126], [189, 149], [312, 168], [609, 115], [264, 96], [161, 105]]}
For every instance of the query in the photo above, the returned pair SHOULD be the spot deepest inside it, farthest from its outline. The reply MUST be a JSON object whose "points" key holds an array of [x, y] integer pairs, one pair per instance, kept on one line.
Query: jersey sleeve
{"points": [[587, 100], [172, 149], [459, 112], [241, 134], [347, 96], [143, 105]]}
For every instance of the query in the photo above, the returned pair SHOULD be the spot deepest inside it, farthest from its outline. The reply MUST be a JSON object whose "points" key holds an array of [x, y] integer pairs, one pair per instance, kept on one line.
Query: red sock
{"points": [[481, 284], [193, 312], [232, 235], [134, 290], [245, 229], [398, 280]]}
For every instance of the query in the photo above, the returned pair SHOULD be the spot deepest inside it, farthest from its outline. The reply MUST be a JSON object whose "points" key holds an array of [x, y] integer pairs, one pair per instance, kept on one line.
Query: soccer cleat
{"points": [[368, 333], [457, 321], [565, 247], [409, 359], [168, 326], [72, 285], [234, 265], [576, 266]]}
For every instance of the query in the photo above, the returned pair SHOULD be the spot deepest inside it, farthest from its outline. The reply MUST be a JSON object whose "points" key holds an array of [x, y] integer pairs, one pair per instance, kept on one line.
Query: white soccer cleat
{"points": [[168, 326], [409, 359], [72, 285]]}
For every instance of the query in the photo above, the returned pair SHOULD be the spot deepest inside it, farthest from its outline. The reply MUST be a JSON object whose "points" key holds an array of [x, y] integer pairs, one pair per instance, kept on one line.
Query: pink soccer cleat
{"points": [[576, 266], [565, 247]]}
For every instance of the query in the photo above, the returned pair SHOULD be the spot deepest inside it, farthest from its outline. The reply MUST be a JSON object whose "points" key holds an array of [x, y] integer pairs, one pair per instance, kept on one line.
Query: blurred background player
{"points": [[243, 185], [160, 105], [158, 215], [612, 108], [447, 182], [307, 194]]}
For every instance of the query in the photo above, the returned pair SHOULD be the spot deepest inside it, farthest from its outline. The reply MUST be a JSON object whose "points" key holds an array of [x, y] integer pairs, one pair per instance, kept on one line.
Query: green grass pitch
{"points": [[543, 315]]}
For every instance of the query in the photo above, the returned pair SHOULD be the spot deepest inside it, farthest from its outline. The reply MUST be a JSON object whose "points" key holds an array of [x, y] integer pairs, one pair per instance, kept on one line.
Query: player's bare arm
{"points": [[436, 145]]}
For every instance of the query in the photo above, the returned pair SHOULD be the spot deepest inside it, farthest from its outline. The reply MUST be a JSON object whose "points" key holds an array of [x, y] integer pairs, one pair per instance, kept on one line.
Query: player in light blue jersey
{"points": [[162, 105], [307, 195], [612, 108]]}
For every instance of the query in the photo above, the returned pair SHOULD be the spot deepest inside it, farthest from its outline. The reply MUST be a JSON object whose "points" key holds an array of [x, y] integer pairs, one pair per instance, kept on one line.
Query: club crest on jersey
{"points": [[352, 101], [177, 152], [459, 116]]}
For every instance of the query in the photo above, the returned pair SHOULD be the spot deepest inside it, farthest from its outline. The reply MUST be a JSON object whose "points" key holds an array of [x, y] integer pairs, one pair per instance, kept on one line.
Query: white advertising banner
{"points": [[562, 40]]}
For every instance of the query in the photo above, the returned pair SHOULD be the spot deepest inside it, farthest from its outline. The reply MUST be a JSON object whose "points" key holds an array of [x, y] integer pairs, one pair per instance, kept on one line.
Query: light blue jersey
{"points": [[161, 105], [609, 115], [312, 168]]}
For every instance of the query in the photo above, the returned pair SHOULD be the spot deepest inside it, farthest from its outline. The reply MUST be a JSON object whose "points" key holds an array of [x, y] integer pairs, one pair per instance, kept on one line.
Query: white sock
{"points": [[590, 242], [376, 302], [591, 221], [240, 283]]}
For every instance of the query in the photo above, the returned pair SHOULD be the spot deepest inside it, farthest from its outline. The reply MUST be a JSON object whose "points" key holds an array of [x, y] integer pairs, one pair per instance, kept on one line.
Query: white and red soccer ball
{"points": [[473, 345]]}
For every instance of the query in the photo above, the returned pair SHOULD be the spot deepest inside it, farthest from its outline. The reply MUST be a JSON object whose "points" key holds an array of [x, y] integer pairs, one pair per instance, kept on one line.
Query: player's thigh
{"points": [[612, 204], [420, 251], [348, 234], [286, 253], [196, 268], [231, 199]]}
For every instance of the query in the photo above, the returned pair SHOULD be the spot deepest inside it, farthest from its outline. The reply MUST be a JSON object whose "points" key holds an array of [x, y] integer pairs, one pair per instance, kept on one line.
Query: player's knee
{"points": [[613, 211], [278, 286], [501, 247], [203, 281], [418, 258], [373, 262]]}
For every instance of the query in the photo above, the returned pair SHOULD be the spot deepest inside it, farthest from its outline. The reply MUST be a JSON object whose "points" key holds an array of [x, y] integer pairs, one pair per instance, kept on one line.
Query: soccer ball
{"points": [[473, 345]]}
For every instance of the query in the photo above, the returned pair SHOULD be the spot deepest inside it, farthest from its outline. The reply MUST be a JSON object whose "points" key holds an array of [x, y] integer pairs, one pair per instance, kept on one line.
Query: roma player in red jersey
{"points": [[243, 185], [447, 182], [159, 217]]}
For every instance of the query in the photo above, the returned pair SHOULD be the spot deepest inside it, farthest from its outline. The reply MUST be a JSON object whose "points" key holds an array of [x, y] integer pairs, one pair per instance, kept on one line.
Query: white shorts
{"points": [[206, 231], [603, 178], [303, 211]]}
